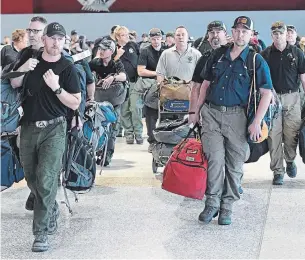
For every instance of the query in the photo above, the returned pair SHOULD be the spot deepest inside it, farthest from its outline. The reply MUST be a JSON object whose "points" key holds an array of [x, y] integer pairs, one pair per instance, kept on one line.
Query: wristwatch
{"points": [[58, 91]]}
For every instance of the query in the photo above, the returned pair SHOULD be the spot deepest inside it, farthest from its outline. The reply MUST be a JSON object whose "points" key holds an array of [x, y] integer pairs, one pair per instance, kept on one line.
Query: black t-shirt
{"points": [[149, 58], [204, 46], [284, 70], [41, 102], [114, 67], [130, 60], [200, 66], [8, 55]]}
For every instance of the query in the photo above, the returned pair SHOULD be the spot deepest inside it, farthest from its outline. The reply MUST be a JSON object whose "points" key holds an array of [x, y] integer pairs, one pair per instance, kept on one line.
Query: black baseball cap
{"points": [[291, 28], [216, 24], [74, 32], [245, 21], [54, 29]]}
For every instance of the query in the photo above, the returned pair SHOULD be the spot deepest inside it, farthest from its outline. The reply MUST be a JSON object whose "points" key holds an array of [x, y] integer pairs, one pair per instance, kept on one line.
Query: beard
{"points": [[215, 42], [53, 51]]}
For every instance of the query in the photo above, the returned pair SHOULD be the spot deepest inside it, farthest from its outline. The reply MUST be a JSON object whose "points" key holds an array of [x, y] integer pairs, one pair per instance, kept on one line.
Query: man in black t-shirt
{"points": [[52, 87], [108, 74], [131, 111], [217, 34], [147, 65], [287, 68]]}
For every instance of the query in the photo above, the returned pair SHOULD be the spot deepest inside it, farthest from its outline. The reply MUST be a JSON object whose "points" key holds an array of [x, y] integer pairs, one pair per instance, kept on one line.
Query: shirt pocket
{"points": [[241, 76]]}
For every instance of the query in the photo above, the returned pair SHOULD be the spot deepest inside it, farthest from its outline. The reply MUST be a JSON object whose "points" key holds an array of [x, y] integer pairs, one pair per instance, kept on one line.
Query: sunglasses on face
{"points": [[277, 27], [35, 31]]}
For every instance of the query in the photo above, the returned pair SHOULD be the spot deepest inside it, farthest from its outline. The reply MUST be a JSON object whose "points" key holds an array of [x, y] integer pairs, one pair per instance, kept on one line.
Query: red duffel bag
{"points": [[186, 170]]}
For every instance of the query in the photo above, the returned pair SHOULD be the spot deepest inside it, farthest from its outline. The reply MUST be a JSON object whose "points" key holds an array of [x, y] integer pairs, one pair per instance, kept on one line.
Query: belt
{"points": [[287, 91], [224, 108], [45, 123]]}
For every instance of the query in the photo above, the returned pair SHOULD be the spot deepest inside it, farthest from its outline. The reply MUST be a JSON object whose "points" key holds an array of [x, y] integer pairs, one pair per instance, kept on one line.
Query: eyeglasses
{"points": [[35, 31]]}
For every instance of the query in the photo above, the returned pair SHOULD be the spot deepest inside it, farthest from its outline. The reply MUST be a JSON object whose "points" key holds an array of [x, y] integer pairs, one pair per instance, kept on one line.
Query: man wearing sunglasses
{"points": [[287, 67]]}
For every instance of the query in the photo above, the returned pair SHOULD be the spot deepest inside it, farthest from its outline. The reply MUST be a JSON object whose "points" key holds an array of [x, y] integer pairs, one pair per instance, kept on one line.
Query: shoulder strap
{"points": [[295, 55], [253, 86], [266, 53], [201, 42], [250, 63]]}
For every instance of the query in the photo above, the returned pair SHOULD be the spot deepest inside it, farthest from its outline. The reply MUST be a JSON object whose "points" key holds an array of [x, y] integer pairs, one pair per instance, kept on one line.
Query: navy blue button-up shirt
{"points": [[230, 82]]}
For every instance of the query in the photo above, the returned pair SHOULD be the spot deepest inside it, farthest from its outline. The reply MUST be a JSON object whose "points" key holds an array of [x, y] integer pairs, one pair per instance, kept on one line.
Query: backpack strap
{"points": [[250, 63], [201, 42]]}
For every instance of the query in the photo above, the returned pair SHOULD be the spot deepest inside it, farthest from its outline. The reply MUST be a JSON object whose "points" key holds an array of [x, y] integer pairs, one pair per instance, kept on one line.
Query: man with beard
{"points": [[287, 67], [147, 65], [207, 43], [223, 97], [52, 87], [178, 61], [217, 34]]}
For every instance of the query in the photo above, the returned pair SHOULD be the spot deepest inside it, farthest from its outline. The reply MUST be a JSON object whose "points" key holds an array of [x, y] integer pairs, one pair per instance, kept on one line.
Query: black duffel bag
{"points": [[257, 150]]}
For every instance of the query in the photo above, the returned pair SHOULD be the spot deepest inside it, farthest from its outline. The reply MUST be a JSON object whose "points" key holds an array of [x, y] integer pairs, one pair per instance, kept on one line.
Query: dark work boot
{"points": [[129, 139], [53, 225], [29, 205], [278, 179], [40, 244], [139, 139], [291, 169], [208, 214], [224, 217]]}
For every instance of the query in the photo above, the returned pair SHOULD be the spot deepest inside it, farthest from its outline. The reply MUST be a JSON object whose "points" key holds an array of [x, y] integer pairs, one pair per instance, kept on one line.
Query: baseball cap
{"points": [[53, 29], [144, 35], [278, 27], [291, 28], [74, 32], [170, 34], [216, 24], [105, 44], [245, 21], [155, 32]]}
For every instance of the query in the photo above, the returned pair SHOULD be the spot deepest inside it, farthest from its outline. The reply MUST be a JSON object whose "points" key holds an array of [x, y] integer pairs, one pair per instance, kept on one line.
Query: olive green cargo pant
{"points": [[225, 145], [41, 153], [285, 130], [131, 113]]}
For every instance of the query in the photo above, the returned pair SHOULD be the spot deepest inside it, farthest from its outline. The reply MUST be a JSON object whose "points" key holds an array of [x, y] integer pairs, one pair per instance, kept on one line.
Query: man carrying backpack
{"points": [[223, 97], [51, 87], [217, 33], [109, 74], [287, 67]]}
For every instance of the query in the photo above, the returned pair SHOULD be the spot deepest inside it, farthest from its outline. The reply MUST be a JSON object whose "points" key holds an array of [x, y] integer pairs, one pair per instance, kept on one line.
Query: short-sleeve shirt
{"points": [[149, 58], [229, 79], [200, 66], [102, 71], [174, 64], [284, 70], [41, 102], [8, 55], [130, 60]]}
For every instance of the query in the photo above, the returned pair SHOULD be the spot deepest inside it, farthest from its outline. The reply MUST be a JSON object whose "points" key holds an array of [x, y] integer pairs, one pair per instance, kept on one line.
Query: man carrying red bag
{"points": [[224, 121]]}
